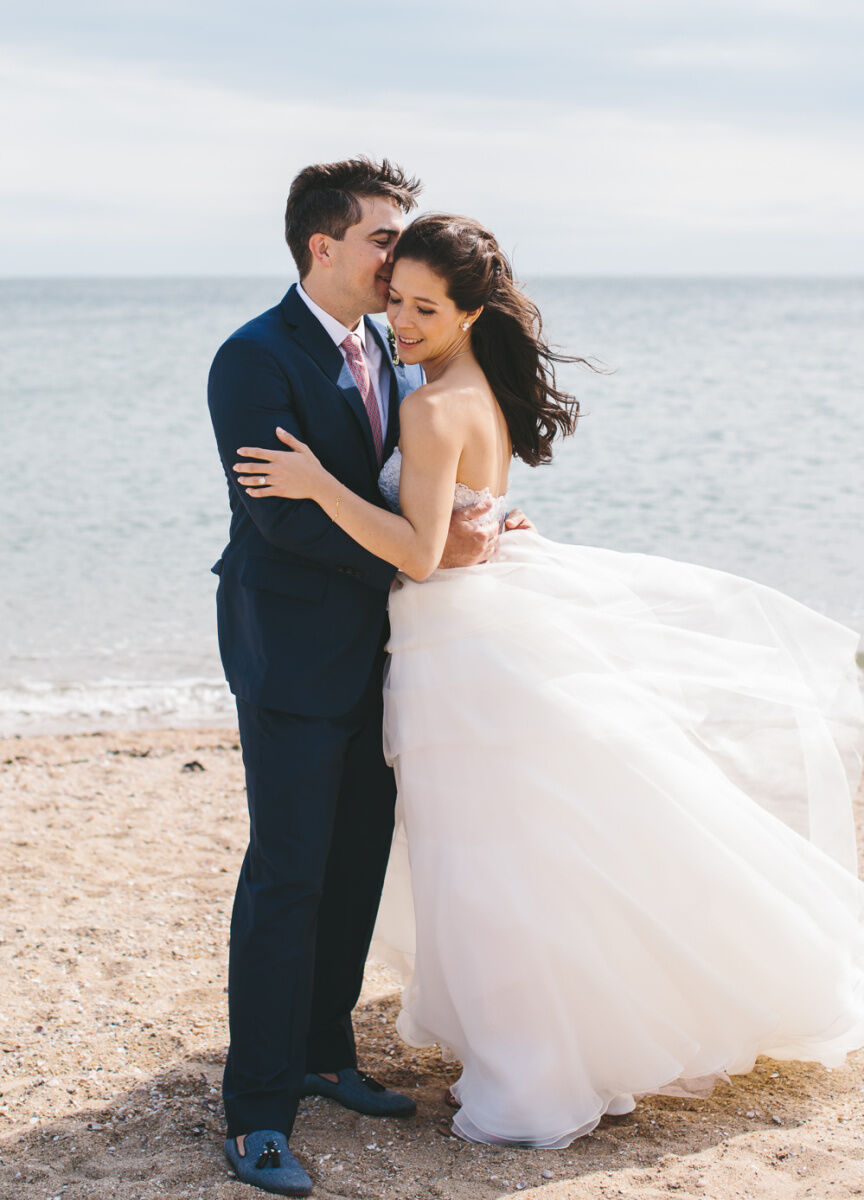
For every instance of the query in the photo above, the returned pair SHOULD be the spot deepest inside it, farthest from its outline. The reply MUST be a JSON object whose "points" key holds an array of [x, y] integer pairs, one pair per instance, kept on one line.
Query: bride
{"points": [[625, 782]]}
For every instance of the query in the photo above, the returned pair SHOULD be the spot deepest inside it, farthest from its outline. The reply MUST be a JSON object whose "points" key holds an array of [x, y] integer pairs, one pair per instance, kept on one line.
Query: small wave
{"points": [[35, 706]]}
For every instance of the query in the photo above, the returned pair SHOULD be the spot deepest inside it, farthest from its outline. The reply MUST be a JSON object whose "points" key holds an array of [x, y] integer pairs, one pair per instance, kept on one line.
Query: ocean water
{"points": [[729, 433]]}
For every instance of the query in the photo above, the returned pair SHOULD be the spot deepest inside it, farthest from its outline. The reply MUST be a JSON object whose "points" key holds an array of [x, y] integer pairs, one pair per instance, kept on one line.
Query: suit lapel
{"points": [[311, 335], [392, 414], [394, 396], [402, 381]]}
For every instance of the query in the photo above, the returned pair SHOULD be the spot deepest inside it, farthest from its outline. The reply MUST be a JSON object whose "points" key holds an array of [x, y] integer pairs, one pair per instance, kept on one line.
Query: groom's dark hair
{"points": [[325, 198]]}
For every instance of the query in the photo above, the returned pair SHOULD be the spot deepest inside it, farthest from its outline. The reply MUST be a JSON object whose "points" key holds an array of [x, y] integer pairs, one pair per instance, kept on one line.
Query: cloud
{"points": [[579, 52], [734, 55], [126, 168]]}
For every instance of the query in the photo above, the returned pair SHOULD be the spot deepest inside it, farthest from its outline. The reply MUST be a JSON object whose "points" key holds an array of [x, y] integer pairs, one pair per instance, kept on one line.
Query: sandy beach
{"points": [[120, 854]]}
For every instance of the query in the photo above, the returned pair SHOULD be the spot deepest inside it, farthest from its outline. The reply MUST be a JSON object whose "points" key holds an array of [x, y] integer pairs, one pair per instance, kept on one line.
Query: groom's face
{"points": [[364, 257]]}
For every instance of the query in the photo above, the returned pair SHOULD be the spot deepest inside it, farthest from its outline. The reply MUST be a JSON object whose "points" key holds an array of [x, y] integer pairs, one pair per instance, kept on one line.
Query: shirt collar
{"points": [[335, 329]]}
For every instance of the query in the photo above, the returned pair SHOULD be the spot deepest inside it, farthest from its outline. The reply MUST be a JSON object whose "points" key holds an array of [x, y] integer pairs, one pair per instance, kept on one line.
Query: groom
{"points": [[302, 613]]}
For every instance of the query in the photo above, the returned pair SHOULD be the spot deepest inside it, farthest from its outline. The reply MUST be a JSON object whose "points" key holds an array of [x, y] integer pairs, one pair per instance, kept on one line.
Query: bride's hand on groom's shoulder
{"points": [[292, 474]]}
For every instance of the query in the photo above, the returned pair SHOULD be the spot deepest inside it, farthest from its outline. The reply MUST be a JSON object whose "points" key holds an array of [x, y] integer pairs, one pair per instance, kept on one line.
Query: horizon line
{"points": [[844, 277]]}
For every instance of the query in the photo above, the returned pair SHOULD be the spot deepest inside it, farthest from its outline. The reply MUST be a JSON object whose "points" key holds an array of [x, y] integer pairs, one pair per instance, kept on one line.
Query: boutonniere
{"points": [[391, 342]]}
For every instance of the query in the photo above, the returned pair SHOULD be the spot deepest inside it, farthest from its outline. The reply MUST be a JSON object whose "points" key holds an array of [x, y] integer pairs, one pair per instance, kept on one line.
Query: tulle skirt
{"points": [[625, 856]]}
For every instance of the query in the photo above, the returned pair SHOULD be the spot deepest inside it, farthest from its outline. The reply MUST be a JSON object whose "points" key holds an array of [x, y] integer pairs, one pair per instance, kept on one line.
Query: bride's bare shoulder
{"points": [[436, 403]]}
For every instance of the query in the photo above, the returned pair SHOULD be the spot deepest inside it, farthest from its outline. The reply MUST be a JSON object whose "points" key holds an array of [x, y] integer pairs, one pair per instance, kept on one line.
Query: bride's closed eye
{"points": [[424, 312]]}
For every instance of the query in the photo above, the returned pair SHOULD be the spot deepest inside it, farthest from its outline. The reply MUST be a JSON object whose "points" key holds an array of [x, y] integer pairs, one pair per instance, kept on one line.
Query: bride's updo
{"points": [[506, 337]]}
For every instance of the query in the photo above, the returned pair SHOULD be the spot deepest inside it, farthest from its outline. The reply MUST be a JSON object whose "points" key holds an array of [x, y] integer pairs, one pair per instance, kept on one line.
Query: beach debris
{"points": [[194, 765]]}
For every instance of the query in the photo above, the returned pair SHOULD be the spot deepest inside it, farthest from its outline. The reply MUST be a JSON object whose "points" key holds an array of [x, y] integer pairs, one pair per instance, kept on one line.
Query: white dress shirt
{"points": [[379, 372]]}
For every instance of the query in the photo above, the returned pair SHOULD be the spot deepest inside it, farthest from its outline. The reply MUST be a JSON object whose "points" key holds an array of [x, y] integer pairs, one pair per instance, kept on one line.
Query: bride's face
{"points": [[427, 323]]}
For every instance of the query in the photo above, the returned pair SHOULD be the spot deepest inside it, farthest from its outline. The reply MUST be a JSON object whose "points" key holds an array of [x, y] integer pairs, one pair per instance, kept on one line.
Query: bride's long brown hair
{"points": [[507, 336]]}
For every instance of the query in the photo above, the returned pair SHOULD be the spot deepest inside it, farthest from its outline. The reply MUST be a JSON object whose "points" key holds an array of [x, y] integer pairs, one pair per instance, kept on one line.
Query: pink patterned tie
{"points": [[357, 366]]}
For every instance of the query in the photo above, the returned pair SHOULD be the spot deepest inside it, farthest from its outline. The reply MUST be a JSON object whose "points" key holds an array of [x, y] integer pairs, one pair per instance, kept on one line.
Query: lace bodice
{"points": [[464, 496]]}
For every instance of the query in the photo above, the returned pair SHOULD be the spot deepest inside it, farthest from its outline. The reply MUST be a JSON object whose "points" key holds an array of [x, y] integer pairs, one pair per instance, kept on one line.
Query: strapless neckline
{"points": [[463, 496]]}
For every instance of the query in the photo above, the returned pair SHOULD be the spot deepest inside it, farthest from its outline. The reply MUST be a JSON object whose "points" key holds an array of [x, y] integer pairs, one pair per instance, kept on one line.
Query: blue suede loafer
{"points": [[358, 1091], [268, 1164]]}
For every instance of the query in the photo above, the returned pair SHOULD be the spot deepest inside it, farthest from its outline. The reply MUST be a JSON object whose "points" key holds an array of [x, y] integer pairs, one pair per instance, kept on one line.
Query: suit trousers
{"points": [[321, 801]]}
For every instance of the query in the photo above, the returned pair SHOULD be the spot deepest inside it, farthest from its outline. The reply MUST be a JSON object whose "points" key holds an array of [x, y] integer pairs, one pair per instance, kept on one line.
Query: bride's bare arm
{"points": [[413, 541]]}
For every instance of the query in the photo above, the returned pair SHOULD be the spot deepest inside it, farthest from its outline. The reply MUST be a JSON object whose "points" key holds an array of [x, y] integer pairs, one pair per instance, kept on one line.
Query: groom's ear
{"points": [[319, 248]]}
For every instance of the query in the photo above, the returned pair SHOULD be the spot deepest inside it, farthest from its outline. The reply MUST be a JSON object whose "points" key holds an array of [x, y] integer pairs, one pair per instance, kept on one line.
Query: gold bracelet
{"points": [[336, 514]]}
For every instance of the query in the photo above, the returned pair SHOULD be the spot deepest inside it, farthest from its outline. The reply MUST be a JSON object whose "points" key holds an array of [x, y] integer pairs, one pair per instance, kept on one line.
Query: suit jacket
{"points": [[302, 608]]}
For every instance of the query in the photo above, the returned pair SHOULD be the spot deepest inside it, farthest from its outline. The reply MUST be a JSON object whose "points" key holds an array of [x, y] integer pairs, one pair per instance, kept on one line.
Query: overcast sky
{"points": [[626, 137]]}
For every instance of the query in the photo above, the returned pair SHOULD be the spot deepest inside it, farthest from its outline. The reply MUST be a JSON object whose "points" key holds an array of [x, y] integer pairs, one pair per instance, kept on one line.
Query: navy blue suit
{"points": [[302, 622]]}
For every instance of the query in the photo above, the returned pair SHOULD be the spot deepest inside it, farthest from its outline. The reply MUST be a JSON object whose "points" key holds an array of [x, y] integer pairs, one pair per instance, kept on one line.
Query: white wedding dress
{"points": [[625, 791]]}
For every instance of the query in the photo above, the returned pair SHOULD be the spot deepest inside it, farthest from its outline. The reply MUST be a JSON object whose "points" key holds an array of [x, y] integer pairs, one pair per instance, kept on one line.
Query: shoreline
{"points": [[57, 708], [69, 727], [39, 708], [119, 863]]}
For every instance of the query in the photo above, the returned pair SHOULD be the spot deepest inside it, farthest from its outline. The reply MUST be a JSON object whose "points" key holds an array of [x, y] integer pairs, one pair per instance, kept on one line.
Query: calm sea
{"points": [[730, 434]]}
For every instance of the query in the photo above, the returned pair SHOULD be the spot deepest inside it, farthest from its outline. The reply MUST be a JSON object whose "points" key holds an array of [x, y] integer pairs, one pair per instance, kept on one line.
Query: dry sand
{"points": [[119, 867]]}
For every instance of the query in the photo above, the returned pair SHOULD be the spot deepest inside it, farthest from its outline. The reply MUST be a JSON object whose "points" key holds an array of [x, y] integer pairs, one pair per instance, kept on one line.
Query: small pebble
{"points": [[777, 1120], [546, 1173]]}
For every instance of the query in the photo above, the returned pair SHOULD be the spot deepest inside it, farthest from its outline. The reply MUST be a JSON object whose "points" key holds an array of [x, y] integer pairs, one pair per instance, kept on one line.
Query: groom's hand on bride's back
{"points": [[473, 536]]}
